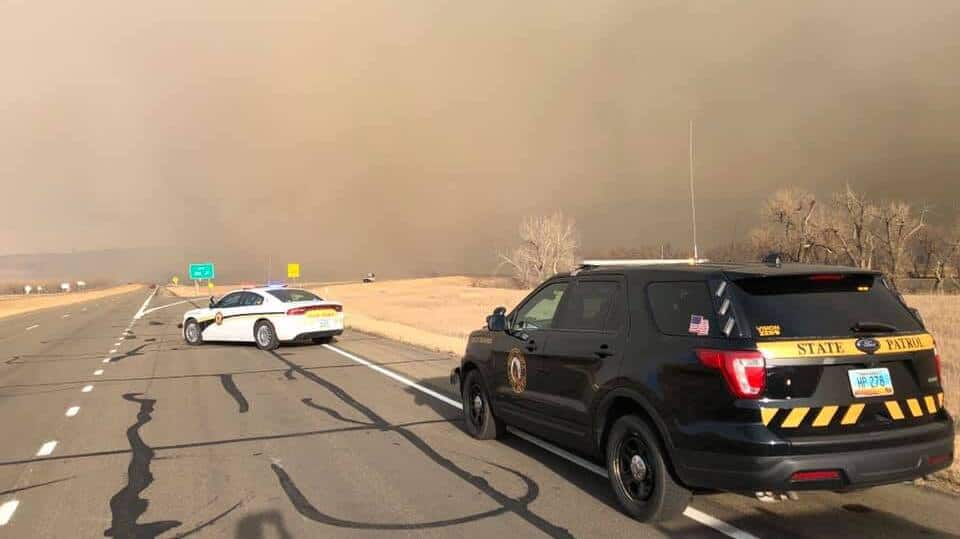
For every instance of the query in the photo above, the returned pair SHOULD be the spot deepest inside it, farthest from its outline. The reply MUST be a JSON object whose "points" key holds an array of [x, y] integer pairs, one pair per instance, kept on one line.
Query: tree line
{"points": [[847, 228]]}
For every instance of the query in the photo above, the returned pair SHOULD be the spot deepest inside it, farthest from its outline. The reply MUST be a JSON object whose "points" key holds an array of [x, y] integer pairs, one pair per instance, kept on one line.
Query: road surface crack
{"points": [[127, 506]]}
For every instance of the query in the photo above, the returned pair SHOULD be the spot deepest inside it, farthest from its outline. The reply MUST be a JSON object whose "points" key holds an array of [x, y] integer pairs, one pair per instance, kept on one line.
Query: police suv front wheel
{"points": [[639, 474], [477, 413]]}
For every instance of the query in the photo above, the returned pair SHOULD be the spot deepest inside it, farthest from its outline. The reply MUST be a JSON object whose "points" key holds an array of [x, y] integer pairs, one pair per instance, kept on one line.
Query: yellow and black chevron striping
{"points": [[792, 418]]}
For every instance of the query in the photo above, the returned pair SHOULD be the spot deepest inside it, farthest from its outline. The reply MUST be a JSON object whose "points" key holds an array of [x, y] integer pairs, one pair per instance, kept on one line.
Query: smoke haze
{"points": [[411, 137]]}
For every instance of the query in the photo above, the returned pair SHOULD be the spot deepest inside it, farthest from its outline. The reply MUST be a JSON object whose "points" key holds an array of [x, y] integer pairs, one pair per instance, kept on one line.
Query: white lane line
{"points": [[35, 326], [691, 513], [66, 316], [87, 389], [145, 303], [7, 510], [47, 448], [112, 351], [72, 411], [98, 372], [105, 360], [148, 311], [402, 379]]}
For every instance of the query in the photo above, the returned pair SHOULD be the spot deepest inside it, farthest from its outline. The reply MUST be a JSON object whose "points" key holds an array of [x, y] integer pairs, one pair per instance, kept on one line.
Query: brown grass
{"points": [[13, 305], [437, 313]]}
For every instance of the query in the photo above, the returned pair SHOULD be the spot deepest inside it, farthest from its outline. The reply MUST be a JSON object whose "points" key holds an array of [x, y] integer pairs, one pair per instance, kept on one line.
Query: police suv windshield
{"points": [[820, 305], [290, 295]]}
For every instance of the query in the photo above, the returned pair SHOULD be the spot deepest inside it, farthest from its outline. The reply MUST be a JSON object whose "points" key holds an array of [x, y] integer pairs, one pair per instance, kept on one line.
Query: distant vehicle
{"points": [[65, 287], [266, 316], [681, 378], [370, 278]]}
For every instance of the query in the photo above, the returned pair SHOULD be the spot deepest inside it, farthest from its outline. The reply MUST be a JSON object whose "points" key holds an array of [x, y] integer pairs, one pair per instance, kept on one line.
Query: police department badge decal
{"points": [[517, 370], [218, 318]]}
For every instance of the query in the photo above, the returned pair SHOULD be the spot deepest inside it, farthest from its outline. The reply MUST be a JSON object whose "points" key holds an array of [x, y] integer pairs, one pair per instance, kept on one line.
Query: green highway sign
{"points": [[202, 271]]}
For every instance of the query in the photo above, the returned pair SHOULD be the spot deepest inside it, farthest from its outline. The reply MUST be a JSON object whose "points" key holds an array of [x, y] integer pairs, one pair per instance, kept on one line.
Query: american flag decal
{"points": [[699, 325]]}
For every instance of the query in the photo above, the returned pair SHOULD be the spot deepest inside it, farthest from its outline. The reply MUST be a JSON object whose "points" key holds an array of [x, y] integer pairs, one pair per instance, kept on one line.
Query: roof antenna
{"points": [[693, 199]]}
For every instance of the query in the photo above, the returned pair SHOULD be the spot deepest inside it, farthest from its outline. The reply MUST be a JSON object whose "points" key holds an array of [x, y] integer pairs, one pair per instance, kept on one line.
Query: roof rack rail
{"points": [[642, 262]]}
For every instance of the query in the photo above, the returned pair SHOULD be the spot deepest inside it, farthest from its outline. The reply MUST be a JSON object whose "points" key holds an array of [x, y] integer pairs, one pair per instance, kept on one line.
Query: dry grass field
{"points": [[11, 305]]}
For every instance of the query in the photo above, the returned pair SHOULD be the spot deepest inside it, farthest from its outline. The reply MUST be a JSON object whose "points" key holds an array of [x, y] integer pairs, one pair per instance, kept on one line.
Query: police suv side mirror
{"points": [[916, 314], [498, 320], [212, 302]]}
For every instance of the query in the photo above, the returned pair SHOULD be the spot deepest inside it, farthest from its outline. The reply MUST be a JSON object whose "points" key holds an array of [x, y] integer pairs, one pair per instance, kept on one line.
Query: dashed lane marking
{"points": [[66, 316], [47, 448], [113, 351], [691, 513], [7, 510], [35, 326], [72, 411], [98, 372], [105, 360], [87, 389]]}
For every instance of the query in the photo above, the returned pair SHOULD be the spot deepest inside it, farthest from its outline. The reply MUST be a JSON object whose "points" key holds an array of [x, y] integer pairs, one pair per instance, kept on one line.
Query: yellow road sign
{"points": [[293, 271], [210, 285], [176, 280]]}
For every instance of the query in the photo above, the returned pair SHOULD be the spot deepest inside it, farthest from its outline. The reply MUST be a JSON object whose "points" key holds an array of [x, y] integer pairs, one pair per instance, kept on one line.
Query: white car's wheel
{"points": [[265, 336], [192, 333]]}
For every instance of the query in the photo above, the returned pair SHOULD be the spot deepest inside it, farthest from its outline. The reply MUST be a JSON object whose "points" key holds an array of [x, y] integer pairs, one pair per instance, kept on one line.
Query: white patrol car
{"points": [[265, 316]]}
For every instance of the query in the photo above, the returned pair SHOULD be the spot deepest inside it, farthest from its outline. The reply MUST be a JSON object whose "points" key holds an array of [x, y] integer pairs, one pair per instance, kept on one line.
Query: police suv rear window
{"points": [[683, 308], [288, 295], [828, 305]]}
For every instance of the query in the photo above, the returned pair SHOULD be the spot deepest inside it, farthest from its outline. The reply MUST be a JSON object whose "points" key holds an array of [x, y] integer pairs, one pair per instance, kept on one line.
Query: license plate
{"points": [[321, 313], [871, 382]]}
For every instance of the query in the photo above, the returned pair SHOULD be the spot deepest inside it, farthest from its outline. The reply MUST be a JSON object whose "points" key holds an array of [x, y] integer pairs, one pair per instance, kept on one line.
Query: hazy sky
{"points": [[363, 133]]}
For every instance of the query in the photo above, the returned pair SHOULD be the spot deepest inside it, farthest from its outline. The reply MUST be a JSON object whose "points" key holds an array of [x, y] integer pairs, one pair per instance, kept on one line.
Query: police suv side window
{"points": [[540, 311], [590, 306], [683, 308]]}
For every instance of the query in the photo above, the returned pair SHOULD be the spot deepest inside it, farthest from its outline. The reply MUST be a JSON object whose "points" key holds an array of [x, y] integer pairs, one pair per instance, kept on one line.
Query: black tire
{"points": [[192, 333], [478, 415], [645, 488], [322, 340], [265, 336]]}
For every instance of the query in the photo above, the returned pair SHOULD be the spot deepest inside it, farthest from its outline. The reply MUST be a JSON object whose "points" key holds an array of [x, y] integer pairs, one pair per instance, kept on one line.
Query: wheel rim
{"points": [[192, 332], [632, 468], [475, 398], [264, 335]]}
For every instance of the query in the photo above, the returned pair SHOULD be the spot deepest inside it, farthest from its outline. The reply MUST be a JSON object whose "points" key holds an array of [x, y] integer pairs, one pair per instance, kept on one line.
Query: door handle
{"points": [[603, 352], [531, 346]]}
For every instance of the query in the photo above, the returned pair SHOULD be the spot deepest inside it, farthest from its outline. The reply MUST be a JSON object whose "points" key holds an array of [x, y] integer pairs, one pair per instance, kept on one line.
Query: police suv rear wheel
{"points": [[265, 336], [192, 333], [477, 413], [639, 474]]}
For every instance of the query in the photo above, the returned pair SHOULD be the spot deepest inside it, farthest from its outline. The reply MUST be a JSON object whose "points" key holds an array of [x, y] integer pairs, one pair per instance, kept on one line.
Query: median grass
{"points": [[13, 305]]}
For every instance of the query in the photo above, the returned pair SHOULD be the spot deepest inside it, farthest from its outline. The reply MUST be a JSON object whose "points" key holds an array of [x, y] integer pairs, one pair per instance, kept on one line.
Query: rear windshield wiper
{"points": [[871, 327]]}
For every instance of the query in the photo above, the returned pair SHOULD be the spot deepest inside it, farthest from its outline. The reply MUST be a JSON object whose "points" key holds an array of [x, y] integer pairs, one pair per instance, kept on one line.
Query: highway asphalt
{"points": [[113, 427]]}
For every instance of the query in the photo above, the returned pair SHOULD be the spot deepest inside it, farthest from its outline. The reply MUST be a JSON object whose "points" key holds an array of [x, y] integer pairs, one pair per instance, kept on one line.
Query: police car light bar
{"points": [[643, 261]]}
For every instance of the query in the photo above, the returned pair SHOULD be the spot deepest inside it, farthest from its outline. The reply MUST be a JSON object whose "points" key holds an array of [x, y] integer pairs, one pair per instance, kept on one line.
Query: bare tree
{"points": [[852, 227], [793, 226], [897, 224], [548, 246], [943, 251]]}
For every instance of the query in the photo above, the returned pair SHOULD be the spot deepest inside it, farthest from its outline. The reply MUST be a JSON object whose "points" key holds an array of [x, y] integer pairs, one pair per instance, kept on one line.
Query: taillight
{"points": [[826, 277], [304, 310], [816, 475], [744, 370]]}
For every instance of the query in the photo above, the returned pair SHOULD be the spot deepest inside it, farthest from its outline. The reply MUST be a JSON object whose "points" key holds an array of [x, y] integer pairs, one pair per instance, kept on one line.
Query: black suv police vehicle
{"points": [[704, 377]]}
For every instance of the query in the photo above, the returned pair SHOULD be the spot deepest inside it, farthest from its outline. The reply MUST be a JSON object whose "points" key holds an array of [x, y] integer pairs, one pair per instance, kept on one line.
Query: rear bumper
{"points": [[858, 469], [317, 335]]}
